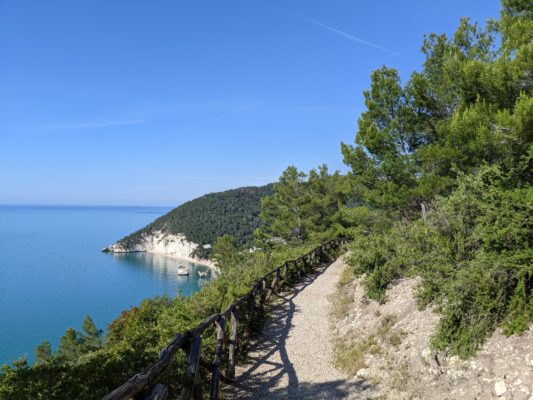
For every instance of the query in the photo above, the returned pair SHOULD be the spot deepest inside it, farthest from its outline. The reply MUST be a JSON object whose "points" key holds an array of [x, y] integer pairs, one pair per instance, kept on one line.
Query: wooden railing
{"points": [[141, 386]]}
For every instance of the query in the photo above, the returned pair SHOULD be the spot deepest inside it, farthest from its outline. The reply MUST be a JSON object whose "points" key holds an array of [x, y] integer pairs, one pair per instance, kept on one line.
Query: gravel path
{"points": [[292, 359]]}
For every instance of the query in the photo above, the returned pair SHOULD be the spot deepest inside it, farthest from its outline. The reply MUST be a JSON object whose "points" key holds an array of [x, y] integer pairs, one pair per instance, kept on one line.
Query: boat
{"points": [[183, 270], [202, 274]]}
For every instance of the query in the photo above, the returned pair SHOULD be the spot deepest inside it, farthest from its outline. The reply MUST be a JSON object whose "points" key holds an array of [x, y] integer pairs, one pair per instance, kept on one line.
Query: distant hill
{"points": [[202, 220]]}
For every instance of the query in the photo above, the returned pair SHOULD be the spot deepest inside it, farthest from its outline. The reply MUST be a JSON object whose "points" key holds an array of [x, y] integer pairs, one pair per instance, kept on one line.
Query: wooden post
{"points": [[313, 259], [323, 258], [251, 308], [233, 342], [301, 268], [307, 263], [262, 297], [215, 379], [193, 361], [159, 392], [288, 273], [284, 272], [273, 285]]}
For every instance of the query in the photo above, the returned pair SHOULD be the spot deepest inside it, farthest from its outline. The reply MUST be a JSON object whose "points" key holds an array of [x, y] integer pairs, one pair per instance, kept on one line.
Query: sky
{"points": [[130, 102]]}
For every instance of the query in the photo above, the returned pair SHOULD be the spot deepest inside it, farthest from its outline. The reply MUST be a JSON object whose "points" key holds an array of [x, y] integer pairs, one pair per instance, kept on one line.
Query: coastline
{"points": [[205, 262], [202, 261], [175, 246]]}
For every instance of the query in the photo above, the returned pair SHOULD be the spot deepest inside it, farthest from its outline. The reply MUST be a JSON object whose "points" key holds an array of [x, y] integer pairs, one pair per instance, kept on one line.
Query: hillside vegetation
{"points": [[444, 165], [439, 188], [202, 220]]}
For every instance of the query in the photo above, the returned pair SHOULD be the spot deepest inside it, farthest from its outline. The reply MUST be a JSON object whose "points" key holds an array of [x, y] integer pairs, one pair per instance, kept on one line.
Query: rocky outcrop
{"points": [[400, 364], [174, 245]]}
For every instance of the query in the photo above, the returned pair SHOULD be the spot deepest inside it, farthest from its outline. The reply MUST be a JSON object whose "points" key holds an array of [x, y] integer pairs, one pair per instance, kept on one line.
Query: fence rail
{"points": [[142, 385]]}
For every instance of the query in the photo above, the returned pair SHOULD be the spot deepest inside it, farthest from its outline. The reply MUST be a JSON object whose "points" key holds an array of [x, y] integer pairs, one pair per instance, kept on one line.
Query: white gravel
{"points": [[292, 359]]}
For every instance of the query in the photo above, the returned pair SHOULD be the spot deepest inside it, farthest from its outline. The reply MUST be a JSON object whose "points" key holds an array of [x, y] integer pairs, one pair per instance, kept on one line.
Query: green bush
{"points": [[473, 253]]}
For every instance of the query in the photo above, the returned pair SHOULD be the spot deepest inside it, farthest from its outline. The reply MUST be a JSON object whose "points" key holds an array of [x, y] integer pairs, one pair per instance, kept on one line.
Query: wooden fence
{"points": [[141, 386]]}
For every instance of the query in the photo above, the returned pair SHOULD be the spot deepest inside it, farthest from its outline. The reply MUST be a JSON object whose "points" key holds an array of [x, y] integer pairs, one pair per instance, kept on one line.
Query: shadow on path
{"points": [[268, 373]]}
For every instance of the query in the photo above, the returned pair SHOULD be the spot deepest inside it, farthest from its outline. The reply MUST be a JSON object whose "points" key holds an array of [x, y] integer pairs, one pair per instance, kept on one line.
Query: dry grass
{"points": [[400, 376], [396, 337], [387, 334], [349, 352], [341, 303], [342, 300], [347, 277]]}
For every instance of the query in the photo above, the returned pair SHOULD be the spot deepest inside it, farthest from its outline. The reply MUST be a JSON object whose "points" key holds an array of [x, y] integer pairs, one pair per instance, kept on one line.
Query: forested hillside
{"points": [[202, 220]]}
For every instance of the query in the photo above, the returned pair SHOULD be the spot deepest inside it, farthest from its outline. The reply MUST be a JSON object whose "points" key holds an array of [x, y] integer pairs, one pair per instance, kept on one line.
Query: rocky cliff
{"points": [[174, 245]]}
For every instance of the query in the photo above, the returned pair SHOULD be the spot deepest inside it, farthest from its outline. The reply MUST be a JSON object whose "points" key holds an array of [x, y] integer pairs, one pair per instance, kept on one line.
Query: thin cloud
{"points": [[97, 124], [338, 32]]}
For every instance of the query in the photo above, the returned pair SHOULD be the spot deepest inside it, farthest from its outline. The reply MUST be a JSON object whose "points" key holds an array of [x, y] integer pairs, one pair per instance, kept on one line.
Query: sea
{"points": [[53, 273]]}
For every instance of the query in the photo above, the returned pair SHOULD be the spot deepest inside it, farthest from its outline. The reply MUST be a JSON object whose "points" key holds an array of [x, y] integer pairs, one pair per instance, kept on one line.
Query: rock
{"points": [[500, 388], [363, 373], [453, 360], [157, 242], [426, 355]]}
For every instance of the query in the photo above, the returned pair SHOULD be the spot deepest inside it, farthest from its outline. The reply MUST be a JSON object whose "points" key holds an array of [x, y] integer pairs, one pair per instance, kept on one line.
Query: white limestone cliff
{"points": [[173, 245]]}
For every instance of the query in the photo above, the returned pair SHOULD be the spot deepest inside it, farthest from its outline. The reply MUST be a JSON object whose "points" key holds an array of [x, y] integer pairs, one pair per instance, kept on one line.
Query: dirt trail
{"points": [[293, 358]]}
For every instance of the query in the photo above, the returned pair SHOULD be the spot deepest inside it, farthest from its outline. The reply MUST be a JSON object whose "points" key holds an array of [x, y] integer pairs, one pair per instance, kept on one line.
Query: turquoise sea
{"points": [[52, 272]]}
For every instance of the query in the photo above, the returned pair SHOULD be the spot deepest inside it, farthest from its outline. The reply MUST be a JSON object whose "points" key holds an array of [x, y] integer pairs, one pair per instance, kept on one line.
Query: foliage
{"points": [[453, 146], [234, 212], [43, 353], [225, 253], [303, 207], [473, 252], [74, 346], [69, 350], [91, 337], [470, 104]]}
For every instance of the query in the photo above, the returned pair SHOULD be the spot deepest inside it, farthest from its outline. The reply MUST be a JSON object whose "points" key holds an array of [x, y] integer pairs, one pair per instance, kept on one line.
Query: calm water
{"points": [[52, 273]]}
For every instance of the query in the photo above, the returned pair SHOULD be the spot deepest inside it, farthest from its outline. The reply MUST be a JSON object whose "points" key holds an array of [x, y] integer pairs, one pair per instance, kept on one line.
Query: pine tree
{"points": [[225, 253], [43, 353], [70, 348], [91, 337], [284, 213]]}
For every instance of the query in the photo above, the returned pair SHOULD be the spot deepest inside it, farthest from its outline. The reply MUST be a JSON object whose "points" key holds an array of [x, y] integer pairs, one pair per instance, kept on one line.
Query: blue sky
{"points": [[157, 102]]}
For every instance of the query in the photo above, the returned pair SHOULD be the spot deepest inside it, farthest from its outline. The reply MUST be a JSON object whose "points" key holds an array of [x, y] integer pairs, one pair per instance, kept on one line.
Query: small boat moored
{"points": [[202, 274], [183, 270]]}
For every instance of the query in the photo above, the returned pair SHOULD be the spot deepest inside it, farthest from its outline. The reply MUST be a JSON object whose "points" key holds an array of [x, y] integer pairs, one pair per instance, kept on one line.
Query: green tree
{"points": [[225, 253], [515, 25], [456, 141], [454, 115], [91, 337], [303, 207], [382, 161], [284, 212], [43, 353], [70, 347]]}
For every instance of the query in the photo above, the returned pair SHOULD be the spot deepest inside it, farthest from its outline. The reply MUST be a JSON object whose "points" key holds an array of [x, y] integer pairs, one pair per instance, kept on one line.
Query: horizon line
{"points": [[80, 205]]}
